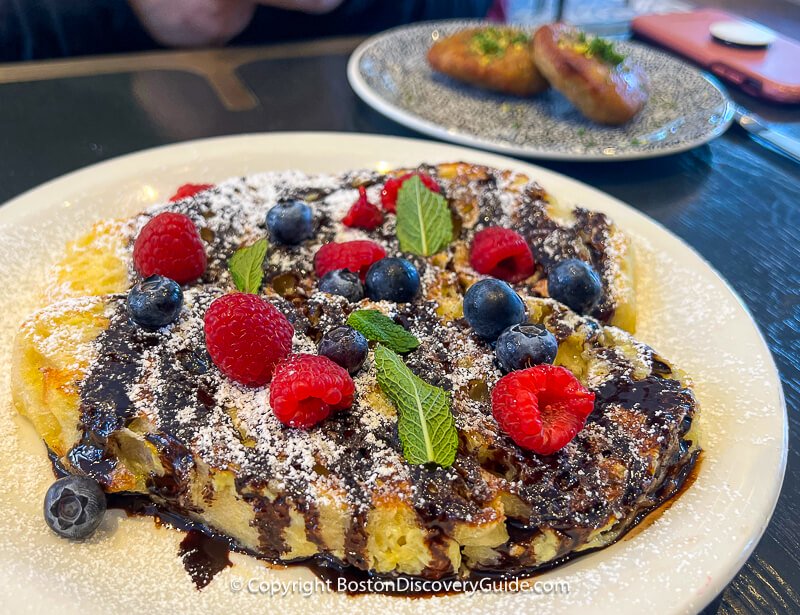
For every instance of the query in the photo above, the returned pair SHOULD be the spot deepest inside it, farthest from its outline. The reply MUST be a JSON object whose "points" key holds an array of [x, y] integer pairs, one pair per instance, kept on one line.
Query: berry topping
{"points": [[392, 279], [522, 346], [155, 302], [363, 214], [501, 253], [392, 186], [187, 190], [74, 506], [342, 282], [170, 245], [575, 284], [290, 222], [357, 256], [491, 306], [246, 336], [346, 347], [308, 388], [541, 408]]}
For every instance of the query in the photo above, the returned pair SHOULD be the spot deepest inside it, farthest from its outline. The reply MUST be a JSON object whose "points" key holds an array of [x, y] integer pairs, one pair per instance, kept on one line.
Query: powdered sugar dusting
{"points": [[240, 432]]}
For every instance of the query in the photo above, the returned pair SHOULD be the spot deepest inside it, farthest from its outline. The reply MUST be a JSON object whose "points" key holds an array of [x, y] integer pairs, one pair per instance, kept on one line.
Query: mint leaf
{"points": [[424, 226], [247, 266], [425, 424], [379, 328]]}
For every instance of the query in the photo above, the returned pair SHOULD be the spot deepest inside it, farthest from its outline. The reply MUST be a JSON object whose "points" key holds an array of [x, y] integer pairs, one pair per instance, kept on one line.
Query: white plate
{"points": [[391, 74], [676, 565]]}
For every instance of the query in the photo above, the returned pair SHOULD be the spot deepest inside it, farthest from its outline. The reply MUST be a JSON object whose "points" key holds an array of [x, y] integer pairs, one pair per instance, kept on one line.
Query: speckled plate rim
{"points": [[427, 127], [128, 183]]}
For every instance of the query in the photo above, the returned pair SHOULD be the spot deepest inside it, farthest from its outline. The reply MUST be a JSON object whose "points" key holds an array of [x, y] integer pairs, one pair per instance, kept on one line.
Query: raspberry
{"points": [[542, 408], [356, 256], [501, 253], [392, 186], [363, 214], [169, 245], [187, 190], [308, 388], [246, 337]]}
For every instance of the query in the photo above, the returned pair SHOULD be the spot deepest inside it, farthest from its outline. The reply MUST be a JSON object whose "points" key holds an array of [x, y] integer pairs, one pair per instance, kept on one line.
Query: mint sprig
{"points": [[379, 328], [247, 266], [425, 423], [424, 225]]}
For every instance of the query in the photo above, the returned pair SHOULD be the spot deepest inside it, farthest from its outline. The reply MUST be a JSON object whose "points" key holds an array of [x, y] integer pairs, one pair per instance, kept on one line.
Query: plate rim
{"points": [[429, 128], [729, 568]]}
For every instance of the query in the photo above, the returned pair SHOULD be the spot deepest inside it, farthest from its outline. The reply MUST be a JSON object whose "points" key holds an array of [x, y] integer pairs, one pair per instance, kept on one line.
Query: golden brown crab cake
{"points": [[496, 58], [148, 412], [234, 213], [604, 85]]}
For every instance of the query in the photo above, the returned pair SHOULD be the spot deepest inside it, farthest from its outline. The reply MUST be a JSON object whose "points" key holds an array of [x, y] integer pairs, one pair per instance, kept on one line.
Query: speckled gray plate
{"points": [[390, 73]]}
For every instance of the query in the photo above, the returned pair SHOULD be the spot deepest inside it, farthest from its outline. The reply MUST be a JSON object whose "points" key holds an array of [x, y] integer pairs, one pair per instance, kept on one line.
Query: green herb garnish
{"points": [[425, 423], [379, 328], [495, 41], [596, 47], [603, 49], [424, 225], [247, 266]]}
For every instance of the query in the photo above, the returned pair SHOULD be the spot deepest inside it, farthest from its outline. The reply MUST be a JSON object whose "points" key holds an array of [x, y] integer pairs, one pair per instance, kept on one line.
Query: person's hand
{"points": [[197, 23], [193, 23]]}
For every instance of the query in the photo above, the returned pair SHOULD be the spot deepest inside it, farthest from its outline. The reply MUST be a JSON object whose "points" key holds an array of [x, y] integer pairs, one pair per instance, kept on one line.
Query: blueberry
{"points": [[74, 507], [392, 279], [491, 306], [522, 346], [342, 282], [575, 284], [155, 302], [344, 346], [290, 222]]}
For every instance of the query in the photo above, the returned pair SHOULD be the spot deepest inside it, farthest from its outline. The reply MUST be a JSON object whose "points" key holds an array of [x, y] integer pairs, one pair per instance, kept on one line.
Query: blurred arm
{"points": [[194, 23], [355, 17], [35, 29]]}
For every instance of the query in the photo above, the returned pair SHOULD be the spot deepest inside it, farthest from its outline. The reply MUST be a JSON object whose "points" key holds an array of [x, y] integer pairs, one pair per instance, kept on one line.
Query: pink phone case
{"points": [[772, 72]]}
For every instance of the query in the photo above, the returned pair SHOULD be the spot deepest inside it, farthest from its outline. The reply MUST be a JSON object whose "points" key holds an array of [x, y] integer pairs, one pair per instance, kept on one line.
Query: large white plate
{"points": [[676, 565], [390, 73]]}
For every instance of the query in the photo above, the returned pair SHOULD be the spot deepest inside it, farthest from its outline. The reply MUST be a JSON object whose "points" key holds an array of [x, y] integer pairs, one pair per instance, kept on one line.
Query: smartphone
{"points": [[771, 72]]}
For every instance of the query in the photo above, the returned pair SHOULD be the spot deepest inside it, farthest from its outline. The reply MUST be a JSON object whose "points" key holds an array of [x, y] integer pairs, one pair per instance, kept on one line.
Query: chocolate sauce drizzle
{"points": [[553, 486], [573, 492], [203, 557]]}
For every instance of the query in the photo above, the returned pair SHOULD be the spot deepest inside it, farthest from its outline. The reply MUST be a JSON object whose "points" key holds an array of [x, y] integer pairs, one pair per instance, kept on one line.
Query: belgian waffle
{"points": [[148, 412]]}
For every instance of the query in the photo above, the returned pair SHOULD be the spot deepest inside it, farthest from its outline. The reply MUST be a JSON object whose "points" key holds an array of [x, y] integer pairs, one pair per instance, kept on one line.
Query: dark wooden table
{"points": [[737, 203]]}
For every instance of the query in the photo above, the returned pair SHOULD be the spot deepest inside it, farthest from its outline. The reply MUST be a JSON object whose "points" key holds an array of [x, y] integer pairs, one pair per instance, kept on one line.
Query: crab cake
{"points": [[494, 58], [603, 84]]}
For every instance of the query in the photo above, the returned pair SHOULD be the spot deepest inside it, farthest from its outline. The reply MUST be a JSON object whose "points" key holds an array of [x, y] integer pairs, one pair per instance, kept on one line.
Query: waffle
{"points": [[148, 413]]}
